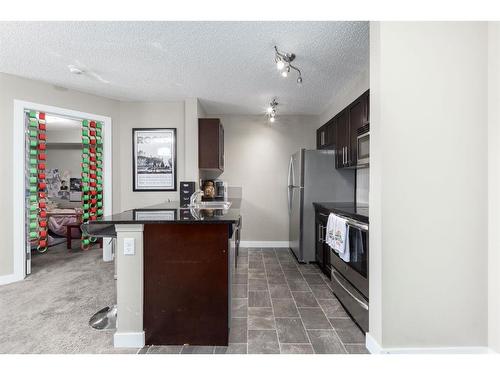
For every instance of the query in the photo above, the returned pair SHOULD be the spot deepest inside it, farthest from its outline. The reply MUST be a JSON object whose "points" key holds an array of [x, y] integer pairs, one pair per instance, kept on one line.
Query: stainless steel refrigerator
{"points": [[312, 177]]}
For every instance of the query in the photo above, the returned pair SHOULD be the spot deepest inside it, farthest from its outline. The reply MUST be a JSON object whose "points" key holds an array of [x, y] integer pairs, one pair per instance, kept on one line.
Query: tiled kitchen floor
{"points": [[280, 306]]}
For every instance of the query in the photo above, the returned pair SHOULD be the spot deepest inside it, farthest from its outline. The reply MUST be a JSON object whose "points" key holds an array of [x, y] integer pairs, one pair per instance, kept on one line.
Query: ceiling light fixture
{"points": [[283, 63], [272, 110]]}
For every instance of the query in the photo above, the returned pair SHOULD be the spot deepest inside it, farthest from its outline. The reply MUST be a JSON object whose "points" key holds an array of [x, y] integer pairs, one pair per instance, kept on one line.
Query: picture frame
{"points": [[154, 159]]}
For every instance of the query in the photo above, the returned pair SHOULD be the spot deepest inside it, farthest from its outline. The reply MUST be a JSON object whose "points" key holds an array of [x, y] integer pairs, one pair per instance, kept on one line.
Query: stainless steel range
{"points": [[349, 279]]}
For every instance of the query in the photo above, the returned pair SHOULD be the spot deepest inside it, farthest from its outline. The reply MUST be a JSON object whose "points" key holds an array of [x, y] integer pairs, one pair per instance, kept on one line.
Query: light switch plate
{"points": [[129, 246]]}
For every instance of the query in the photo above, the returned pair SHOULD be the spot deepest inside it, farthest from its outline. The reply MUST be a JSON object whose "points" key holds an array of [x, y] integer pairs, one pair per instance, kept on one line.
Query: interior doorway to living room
{"points": [[62, 180]]}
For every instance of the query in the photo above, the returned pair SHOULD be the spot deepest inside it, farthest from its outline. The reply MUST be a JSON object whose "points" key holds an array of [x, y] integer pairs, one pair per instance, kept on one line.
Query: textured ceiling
{"points": [[228, 65]]}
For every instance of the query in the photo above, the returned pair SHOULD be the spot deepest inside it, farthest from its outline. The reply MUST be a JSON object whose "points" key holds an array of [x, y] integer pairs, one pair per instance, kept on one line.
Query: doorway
{"points": [[59, 150]]}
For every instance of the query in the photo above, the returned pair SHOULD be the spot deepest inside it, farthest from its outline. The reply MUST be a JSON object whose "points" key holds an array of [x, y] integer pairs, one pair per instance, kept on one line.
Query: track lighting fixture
{"points": [[283, 63], [272, 110]]}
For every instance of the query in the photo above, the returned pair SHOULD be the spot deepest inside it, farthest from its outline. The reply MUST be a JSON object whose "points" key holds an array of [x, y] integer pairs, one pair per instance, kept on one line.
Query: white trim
{"points": [[129, 340], [18, 244], [7, 279], [264, 244], [18, 175], [372, 344], [375, 348]]}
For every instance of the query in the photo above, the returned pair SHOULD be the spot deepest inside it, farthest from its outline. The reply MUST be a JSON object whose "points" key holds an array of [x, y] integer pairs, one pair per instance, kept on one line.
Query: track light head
{"points": [[283, 62], [285, 72], [271, 110]]}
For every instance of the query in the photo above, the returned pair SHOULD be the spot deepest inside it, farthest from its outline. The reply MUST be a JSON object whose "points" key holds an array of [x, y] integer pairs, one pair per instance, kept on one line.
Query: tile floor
{"points": [[280, 306]]}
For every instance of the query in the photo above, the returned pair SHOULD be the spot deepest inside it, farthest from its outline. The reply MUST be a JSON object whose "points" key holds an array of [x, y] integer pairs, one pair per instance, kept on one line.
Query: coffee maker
{"points": [[214, 190]]}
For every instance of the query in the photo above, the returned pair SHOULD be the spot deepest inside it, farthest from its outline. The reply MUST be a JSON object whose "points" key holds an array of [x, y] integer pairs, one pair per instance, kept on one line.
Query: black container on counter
{"points": [[186, 190]]}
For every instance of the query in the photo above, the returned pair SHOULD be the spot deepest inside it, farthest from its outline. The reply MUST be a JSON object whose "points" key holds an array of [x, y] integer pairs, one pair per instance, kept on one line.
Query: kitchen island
{"points": [[174, 269]]}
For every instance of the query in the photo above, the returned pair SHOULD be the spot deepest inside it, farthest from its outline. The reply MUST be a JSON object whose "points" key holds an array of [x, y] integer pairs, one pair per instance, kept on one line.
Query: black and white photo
{"points": [[154, 159]]}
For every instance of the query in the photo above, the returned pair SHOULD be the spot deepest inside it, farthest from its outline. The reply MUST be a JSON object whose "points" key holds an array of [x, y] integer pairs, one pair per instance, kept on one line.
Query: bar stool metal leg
{"points": [[106, 317]]}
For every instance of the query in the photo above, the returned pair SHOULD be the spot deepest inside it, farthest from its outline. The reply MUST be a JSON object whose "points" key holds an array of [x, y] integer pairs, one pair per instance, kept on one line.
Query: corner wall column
{"points": [[129, 288]]}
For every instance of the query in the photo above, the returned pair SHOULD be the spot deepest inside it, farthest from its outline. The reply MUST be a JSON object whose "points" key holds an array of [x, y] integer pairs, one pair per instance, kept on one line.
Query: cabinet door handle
{"points": [[361, 303], [320, 232]]}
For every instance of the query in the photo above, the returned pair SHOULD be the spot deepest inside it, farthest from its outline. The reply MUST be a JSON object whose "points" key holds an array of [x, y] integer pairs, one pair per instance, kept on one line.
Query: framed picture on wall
{"points": [[154, 159]]}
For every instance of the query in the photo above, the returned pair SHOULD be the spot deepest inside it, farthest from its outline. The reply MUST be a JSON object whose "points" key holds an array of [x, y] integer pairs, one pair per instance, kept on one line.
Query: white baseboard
{"points": [[129, 340], [264, 244], [7, 279], [375, 348]]}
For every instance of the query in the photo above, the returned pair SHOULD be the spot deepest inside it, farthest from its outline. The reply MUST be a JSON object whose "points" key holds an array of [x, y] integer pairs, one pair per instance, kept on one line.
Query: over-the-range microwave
{"points": [[363, 146]]}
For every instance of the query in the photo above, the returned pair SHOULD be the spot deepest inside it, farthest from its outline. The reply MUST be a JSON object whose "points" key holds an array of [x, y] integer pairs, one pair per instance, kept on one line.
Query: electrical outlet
{"points": [[129, 246]]}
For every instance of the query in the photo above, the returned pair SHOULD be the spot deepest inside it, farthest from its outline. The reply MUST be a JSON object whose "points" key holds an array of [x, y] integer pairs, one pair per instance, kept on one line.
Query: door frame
{"points": [[19, 233]]}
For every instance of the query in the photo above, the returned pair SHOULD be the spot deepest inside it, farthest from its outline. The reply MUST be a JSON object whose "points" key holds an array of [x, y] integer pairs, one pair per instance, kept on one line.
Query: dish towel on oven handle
{"points": [[337, 236], [330, 230]]}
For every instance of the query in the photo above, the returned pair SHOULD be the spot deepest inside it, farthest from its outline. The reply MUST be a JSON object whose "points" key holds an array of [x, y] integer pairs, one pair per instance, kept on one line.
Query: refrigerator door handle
{"points": [[290, 191], [290, 185]]}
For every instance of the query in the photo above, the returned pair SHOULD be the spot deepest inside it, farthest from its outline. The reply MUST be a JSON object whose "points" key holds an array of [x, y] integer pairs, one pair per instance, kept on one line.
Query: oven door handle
{"points": [[362, 303]]}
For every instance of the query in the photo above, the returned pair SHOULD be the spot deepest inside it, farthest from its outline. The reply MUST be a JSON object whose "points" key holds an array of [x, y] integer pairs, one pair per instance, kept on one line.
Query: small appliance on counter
{"points": [[214, 190], [186, 190]]}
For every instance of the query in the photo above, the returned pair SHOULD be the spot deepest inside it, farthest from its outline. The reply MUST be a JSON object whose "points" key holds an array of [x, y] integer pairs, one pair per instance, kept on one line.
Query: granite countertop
{"points": [[173, 212], [357, 212]]}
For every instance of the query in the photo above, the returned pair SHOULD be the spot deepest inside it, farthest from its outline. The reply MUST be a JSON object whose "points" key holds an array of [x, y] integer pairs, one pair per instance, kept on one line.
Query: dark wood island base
{"points": [[186, 283]]}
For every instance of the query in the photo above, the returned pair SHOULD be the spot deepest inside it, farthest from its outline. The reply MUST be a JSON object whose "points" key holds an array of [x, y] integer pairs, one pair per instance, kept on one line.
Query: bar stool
{"points": [[105, 318]]}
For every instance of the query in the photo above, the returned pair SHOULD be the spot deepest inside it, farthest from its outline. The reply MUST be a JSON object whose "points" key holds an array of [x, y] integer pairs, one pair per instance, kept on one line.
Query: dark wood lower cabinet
{"points": [[322, 249], [186, 284]]}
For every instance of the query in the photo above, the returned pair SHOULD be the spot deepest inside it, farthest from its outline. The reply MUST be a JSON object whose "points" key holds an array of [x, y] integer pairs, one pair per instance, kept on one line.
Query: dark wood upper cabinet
{"points": [[342, 158], [341, 132], [211, 145], [326, 136]]}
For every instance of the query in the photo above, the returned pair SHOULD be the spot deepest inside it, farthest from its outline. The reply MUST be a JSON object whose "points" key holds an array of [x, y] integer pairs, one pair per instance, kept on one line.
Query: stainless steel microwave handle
{"points": [[367, 134], [362, 303]]}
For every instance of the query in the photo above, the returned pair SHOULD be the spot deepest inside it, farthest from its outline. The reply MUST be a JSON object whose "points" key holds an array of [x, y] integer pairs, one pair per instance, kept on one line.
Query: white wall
{"points": [[362, 186], [148, 115], [192, 112], [12, 87], [494, 186], [428, 184], [256, 158]]}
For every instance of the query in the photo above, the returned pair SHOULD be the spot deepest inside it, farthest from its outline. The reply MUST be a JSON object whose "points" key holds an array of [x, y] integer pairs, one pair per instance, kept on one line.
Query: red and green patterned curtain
{"points": [[38, 228], [92, 191]]}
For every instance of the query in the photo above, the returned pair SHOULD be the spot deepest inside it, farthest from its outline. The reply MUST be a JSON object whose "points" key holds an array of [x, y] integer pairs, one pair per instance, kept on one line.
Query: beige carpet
{"points": [[49, 311]]}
